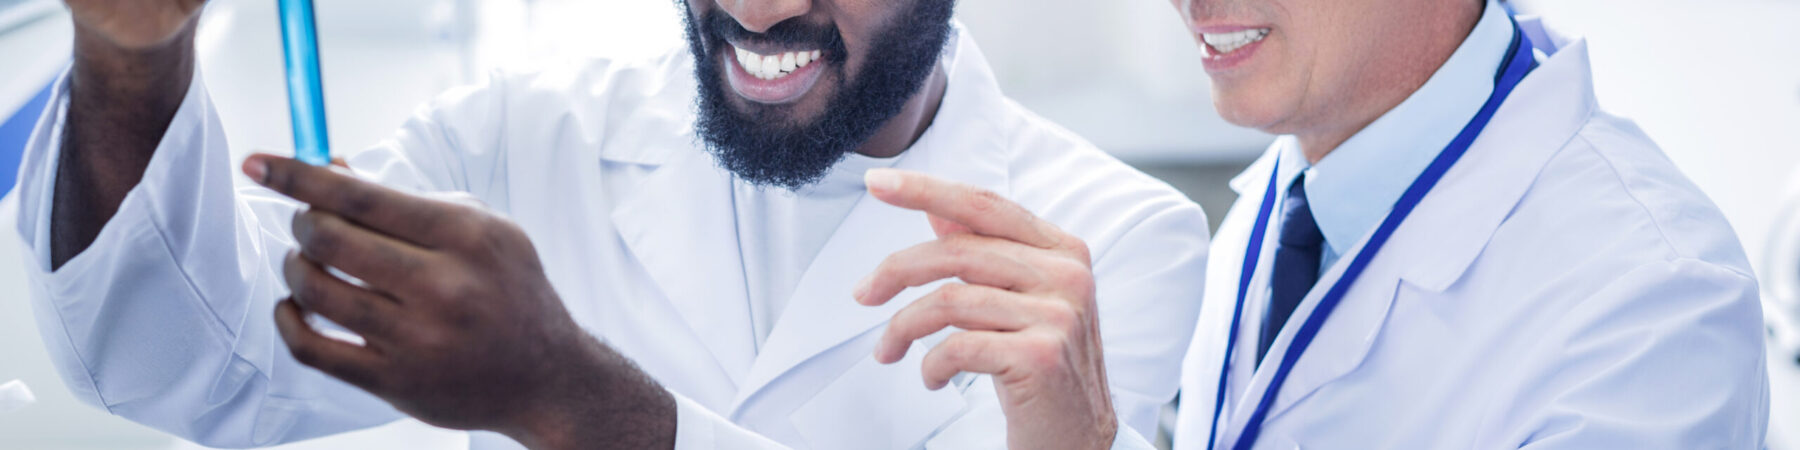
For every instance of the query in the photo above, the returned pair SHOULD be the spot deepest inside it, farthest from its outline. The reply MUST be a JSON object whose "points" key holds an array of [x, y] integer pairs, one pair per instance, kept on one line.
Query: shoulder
{"points": [[1071, 182], [1616, 180], [587, 103]]}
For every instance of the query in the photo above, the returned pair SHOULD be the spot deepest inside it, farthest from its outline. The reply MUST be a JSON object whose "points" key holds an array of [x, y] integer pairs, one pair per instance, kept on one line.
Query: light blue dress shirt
{"points": [[1352, 188]]}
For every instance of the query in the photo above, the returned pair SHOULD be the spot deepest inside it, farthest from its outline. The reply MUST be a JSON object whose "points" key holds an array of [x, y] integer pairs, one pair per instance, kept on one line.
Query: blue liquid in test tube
{"points": [[306, 93]]}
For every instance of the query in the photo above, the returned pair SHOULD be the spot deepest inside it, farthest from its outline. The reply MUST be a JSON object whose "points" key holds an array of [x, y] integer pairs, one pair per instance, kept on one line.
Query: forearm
{"points": [[121, 102]]}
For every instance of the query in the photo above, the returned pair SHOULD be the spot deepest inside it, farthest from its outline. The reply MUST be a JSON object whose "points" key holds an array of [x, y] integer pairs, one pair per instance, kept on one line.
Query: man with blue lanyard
{"points": [[1454, 246]]}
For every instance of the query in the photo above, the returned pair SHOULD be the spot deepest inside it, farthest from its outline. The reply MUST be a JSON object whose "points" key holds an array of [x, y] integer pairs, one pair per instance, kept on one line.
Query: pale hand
{"points": [[1026, 303]]}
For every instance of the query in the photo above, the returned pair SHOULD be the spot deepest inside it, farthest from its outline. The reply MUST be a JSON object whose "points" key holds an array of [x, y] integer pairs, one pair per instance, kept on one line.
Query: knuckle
{"points": [[1061, 316], [320, 240], [1080, 251], [429, 339], [1044, 351], [355, 201], [444, 288], [983, 201], [1072, 276]]}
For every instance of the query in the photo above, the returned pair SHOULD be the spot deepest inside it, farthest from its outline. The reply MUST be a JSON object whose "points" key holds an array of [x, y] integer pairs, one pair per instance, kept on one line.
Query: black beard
{"points": [[766, 147]]}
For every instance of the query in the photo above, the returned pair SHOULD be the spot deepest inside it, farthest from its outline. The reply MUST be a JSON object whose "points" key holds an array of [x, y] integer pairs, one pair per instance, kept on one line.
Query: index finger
{"points": [[982, 211], [380, 208]]}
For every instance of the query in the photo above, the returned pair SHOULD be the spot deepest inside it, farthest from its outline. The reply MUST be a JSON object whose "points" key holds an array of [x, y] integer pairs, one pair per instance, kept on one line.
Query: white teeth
{"points": [[769, 67], [1226, 42]]}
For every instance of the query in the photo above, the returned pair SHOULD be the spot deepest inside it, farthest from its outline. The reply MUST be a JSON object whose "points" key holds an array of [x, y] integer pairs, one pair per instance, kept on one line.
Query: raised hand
{"points": [[1025, 303], [462, 328]]}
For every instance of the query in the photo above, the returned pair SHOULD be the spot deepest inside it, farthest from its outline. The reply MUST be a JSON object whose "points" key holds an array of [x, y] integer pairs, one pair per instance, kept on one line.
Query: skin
{"points": [[858, 22], [1328, 68], [1025, 302], [458, 316], [133, 64]]}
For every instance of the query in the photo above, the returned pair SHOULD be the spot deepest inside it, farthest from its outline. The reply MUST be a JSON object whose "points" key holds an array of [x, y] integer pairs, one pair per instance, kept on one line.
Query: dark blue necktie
{"points": [[1297, 255]]}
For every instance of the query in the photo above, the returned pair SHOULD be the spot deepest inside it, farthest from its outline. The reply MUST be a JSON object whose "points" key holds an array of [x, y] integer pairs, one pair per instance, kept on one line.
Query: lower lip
{"points": [[786, 89], [1216, 62]]}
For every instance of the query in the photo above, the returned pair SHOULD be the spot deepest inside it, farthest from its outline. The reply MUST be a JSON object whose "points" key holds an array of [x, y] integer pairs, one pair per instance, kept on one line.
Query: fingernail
{"points": [[257, 169], [862, 290], [882, 180]]}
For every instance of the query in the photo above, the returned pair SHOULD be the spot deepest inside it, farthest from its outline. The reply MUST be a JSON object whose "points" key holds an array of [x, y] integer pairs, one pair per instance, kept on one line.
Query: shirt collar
{"points": [[1352, 189]]}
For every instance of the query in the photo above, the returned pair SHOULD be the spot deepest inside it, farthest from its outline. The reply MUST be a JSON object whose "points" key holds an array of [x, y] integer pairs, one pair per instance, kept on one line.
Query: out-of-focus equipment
{"points": [[1781, 278], [15, 396]]}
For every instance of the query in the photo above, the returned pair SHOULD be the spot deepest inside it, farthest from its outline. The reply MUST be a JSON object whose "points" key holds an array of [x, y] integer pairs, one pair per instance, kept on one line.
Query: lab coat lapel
{"points": [[964, 144], [1443, 237], [1341, 344], [680, 225]]}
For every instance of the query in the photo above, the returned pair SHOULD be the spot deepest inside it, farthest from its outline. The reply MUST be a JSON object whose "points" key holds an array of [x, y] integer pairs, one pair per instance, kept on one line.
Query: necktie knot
{"points": [[1298, 228], [1297, 255]]}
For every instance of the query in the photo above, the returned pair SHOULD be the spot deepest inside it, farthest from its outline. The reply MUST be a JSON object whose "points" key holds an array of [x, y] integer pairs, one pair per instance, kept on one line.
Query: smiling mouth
{"points": [[1220, 44], [771, 67]]}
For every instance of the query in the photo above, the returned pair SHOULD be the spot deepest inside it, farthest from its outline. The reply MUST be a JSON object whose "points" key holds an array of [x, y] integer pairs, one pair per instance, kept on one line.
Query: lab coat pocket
{"points": [[876, 405]]}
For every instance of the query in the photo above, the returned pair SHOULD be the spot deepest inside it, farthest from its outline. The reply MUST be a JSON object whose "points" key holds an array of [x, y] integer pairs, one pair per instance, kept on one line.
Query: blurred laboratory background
{"points": [[1123, 73]]}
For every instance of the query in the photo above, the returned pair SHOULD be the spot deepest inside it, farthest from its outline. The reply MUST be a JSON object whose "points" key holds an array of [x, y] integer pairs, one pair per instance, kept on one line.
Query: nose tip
{"points": [[760, 15]]}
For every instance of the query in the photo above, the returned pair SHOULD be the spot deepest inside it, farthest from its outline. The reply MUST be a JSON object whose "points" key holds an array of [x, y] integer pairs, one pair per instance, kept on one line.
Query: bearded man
{"points": [[665, 252]]}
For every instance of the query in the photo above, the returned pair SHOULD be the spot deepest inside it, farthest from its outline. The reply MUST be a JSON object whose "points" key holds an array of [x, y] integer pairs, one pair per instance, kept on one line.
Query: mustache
{"points": [[721, 27]]}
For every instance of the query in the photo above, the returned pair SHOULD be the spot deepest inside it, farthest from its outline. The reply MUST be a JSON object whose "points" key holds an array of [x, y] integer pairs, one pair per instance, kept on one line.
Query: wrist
{"points": [[598, 397]]}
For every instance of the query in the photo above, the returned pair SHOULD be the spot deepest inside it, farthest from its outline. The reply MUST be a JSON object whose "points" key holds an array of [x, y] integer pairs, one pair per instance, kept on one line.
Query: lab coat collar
{"points": [[1440, 240], [678, 225], [1455, 221], [965, 143], [1559, 95]]}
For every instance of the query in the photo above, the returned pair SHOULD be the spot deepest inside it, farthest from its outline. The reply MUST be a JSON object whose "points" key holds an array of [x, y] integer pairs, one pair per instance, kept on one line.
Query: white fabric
{"points": [[166, 318], [1563, 287], [780, 231]]}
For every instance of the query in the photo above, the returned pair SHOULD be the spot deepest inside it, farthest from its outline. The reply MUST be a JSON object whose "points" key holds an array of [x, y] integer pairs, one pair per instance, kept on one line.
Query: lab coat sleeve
{"points": [[166, 319], [698, 428], [1149, 286], [1669, 356]]}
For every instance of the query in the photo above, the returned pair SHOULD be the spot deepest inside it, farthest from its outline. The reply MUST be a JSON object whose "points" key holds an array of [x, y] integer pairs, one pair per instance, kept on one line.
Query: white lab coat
{"points": [[1563, 286], [166, 319]]}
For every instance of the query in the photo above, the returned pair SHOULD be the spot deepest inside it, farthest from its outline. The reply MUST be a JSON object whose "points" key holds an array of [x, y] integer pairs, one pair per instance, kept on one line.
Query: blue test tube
{"points": [[306, 92]]}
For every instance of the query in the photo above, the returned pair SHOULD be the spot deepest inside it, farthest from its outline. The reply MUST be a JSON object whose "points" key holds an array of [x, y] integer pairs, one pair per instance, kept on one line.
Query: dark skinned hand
{"points": [[1026, 305], [462, 328]]}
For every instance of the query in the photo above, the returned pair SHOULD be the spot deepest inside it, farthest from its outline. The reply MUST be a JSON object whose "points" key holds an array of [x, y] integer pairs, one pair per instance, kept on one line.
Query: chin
{"points": [[1245, 110]]}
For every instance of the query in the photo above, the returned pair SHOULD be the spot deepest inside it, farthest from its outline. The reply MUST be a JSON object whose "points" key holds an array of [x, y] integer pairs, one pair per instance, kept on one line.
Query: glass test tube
{"points": [[306, 93]]}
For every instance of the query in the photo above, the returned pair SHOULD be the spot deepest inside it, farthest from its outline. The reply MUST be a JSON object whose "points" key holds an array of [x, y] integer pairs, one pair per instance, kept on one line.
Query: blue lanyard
{"points": [[1518, 63]]}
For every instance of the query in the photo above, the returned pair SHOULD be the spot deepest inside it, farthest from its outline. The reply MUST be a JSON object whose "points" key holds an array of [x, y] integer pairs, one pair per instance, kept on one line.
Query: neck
{"points": [[1398, 72], [904, 128]]}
